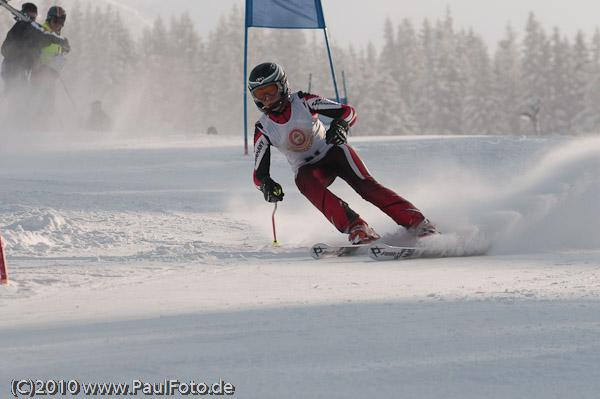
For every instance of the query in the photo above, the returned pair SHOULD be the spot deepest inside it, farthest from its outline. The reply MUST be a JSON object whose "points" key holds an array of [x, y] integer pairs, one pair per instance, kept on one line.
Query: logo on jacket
{"points": [[299, 140]]}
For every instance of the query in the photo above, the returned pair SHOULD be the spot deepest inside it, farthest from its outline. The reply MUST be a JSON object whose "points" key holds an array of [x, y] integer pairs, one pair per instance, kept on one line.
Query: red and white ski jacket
{"points": [[297, 132]]}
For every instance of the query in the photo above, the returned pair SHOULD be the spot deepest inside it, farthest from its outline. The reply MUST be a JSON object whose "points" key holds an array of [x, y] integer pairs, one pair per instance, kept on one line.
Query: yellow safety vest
{"points": [[51, 51]]}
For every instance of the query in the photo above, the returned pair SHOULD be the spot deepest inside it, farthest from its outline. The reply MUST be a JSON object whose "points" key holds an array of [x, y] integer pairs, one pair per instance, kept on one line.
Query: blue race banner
{"points": [[283, 14], [286, 14]]}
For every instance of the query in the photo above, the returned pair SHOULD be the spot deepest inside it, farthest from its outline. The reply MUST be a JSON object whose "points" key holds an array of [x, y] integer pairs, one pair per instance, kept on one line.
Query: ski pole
{"points": [[273, 219], [71, 98]]}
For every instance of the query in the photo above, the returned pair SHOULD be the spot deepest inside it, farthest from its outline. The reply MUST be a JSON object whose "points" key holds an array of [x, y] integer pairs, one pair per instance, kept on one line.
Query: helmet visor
{"points": [[270, 89]]}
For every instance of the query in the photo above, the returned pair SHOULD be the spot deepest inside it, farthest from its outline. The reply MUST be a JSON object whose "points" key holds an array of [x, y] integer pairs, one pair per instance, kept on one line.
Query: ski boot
{"points": [[424, 229], [360, 233]]}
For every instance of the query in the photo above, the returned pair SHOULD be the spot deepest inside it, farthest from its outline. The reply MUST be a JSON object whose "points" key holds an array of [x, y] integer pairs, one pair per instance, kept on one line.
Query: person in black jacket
{"points": [[22, 49]]}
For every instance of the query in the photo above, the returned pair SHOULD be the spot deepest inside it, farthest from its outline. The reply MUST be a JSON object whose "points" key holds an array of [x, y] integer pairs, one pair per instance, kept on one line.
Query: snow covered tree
{"points": [[559, 90], [439, 108], [580, 75], [424, 106], [410, 63], [364, 96], [393, 118], [185, 46], [588, 119], [222, 74], [481, 108], [436, 80], [155, 77], [507, 79], [535, 68], [389, 61]]}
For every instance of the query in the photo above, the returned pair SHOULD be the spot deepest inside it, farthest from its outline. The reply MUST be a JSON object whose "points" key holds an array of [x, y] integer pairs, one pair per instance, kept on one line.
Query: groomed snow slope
{"points": [[150, 258]]}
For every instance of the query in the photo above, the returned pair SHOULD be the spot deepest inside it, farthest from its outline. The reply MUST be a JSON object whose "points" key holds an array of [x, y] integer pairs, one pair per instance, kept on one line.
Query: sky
{"points": [[357, 22]]}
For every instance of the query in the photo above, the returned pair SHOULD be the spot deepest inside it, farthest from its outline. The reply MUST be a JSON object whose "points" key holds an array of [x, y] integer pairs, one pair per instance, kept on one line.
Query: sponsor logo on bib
{"points": [[299, 140]]}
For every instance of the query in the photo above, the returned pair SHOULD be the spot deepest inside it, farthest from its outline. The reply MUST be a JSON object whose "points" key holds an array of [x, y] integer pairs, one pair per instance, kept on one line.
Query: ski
{"points": [[321, 251], [18, 14], [23, 17], [383, 252], [389, 252]]}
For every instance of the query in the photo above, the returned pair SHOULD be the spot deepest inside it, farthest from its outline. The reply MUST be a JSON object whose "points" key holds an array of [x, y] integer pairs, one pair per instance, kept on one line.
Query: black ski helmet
{"points": [[264, 74], [56, 14]]}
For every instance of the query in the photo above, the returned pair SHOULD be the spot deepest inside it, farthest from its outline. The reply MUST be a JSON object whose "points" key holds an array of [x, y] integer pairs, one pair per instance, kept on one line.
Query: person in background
{"points": [[52, 55], [319, 155], [98, 120], [51, 62], [22, 48]]}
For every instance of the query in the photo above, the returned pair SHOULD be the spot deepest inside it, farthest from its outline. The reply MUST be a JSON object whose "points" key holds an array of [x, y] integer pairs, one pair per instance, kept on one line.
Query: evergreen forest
{"points": [[425, 77]]}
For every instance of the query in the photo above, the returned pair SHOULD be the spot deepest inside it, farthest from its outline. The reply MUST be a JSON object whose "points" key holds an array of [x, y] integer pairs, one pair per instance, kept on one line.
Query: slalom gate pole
{"points": [[273, 219], [3, 274]]}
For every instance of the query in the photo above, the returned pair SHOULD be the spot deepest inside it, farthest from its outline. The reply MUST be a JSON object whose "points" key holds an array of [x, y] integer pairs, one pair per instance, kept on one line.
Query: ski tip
{"points": [[317, 250]]}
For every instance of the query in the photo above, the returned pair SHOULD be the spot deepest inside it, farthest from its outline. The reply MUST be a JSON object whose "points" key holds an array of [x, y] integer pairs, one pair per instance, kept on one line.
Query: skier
{"points": [[318, 155], [51, 57], [98, 119], [51, 62], [22, 49]]}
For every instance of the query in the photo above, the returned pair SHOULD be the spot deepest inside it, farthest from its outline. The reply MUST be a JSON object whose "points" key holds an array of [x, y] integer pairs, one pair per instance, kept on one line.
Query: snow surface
{"points": [[150, 258]]}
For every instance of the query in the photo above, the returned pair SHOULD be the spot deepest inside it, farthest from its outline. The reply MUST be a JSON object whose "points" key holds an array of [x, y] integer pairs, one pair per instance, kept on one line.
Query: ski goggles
{"points": [[270, 89]]}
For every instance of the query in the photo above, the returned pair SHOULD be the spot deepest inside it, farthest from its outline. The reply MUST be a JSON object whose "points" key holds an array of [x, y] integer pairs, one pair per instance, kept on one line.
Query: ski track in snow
{"points": [[152, 258]]}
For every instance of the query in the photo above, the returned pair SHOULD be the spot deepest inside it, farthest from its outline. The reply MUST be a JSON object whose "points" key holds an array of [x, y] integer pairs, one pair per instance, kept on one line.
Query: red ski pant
{"points": [[342, 161]]}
